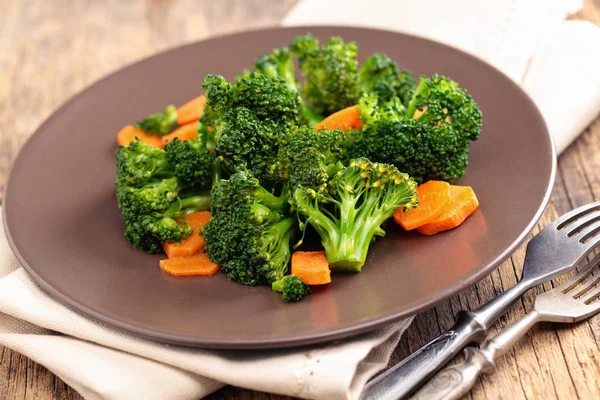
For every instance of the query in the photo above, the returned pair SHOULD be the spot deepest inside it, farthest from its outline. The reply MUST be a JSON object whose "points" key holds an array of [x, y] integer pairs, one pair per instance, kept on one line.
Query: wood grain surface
{"points": [[50, 50]]}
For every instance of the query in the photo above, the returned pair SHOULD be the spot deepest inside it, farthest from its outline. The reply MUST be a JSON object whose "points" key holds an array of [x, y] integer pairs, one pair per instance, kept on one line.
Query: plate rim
{"points": [[305, 338]]}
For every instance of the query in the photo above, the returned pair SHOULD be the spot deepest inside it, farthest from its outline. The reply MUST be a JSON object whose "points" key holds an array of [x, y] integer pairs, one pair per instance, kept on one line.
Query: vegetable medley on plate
{"points": [[238, 178]]}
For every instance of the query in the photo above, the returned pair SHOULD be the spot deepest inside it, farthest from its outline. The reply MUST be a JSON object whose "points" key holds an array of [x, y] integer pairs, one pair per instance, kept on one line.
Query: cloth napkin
{"points": [[104, 363], [554, 60]]}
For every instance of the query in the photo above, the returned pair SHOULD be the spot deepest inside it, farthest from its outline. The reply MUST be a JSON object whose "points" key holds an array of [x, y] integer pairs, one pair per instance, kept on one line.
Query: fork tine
{"points": [[581, 275], [589, 232], [569, 217], [582, 223], [593, 298]]}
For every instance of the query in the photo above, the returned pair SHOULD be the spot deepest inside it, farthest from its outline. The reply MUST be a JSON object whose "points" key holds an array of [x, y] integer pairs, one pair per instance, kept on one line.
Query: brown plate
{"points": [[63, 223]]}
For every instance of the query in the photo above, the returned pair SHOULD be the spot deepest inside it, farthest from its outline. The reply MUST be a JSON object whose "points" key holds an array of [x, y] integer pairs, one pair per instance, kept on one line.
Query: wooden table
{"points": [[50, 50]]}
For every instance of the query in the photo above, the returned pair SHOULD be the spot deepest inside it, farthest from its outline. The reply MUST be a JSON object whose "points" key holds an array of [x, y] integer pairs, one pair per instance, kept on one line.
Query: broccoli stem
{"points": [[277, 242], [277, 286], [310, 116], [412, 104], [270, 200], [190, 204]]}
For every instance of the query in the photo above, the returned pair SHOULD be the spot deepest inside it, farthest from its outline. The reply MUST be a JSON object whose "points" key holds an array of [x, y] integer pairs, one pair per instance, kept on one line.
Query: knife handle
{"points": [[401, 380]]}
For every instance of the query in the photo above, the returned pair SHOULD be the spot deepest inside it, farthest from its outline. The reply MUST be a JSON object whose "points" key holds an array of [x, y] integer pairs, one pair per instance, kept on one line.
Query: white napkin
{"points": [[555, 61], [103, 363]]}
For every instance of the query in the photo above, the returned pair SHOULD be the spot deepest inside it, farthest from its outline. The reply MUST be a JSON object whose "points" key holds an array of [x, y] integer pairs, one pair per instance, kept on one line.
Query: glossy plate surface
{"points": [[64, 226]]}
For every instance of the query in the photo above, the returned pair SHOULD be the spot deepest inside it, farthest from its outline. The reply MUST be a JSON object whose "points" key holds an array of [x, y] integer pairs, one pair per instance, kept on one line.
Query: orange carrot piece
{"points": [[193, 243], [312, 267], [198, 264], [130, 132], [462, 204], [185, 132], [191, 111], [344, 119], [433, 196]]}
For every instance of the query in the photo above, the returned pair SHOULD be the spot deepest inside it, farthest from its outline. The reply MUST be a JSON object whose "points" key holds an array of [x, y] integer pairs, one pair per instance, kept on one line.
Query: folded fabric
{"points": [[529, 40], [103, 363]]}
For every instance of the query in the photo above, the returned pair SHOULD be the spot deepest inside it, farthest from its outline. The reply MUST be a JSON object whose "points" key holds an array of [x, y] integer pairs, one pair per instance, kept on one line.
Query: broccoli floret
{"points": [[310, 158], [245, 142], [152, 199], [331, 72], [440, 100], [280, 64], [153, 213], [429, 140], [249, 233], [191, 160], [292, 287], [139, 162], [379, 74], [247, 120], [268, 98], [159, 123], [362, 197]]}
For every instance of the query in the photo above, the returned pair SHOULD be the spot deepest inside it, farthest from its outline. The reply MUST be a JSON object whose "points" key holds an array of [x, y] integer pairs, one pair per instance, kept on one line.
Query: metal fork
{"points": [[552, 252], [573, 301]]}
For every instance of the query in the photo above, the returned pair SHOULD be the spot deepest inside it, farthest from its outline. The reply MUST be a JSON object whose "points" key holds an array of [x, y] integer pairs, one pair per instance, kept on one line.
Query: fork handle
{"points": [[471, 326], [400, 380], [456, 381]]}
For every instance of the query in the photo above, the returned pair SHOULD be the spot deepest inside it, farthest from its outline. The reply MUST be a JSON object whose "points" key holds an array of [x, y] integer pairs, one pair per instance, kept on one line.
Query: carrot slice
{"points": [[185, 132], [193, 243], [462, 204], [344, 119], [433, 196], [312, 267], [191, 111], [198, 264], [130, 132]]}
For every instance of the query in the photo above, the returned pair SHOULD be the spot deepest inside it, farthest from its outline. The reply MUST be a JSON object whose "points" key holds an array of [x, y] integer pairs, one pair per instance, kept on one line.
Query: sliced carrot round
{"points": [[462, 204], [199, 264], [191, 111], [129, 134], [312, 267], [344, 119], [433, 197], [193, 243], [185, 132]]}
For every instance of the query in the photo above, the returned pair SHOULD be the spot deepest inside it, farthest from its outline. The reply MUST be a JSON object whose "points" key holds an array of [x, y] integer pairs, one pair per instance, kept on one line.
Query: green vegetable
{"points": [[429, 140], [159, 123], [380, 75], [191, 160], [331, 72], [362, 197], [249, 232], [247, 120], [292, 287], [309, 158], [152, 199], [280, 64]]}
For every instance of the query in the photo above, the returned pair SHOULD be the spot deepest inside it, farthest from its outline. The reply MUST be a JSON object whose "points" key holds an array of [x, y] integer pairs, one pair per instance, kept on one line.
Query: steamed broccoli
{"points": [[152, 199], [159, 123], [331, 72], [292, 287], [249, 233], [246, 120], [191, 160], [429, 140], [361, 197], [379, 74], [280, 64], [310, 158]]}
